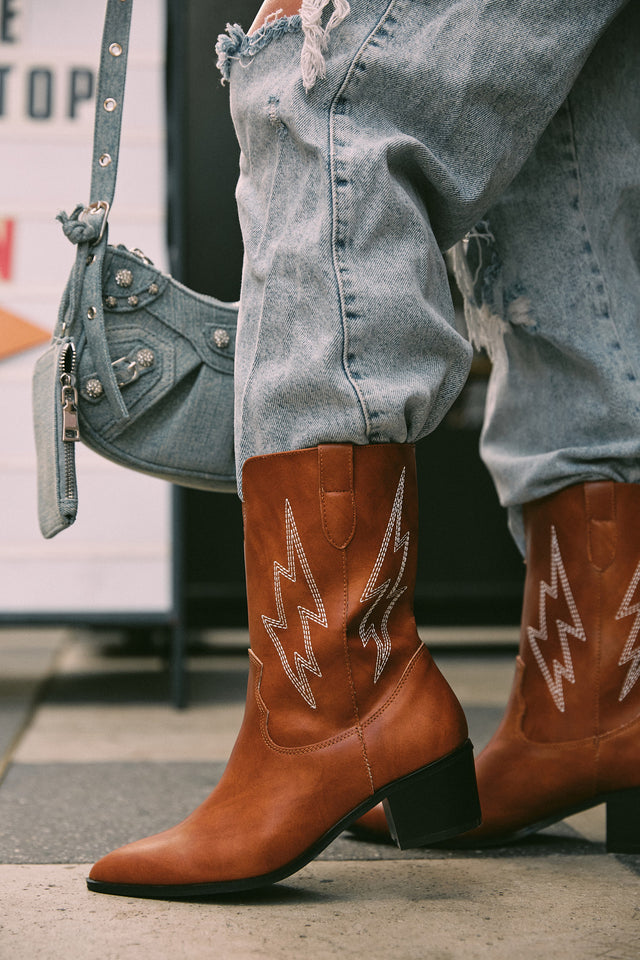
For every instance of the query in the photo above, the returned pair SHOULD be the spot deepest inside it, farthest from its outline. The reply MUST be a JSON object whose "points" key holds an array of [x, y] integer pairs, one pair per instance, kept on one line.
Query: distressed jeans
{"points": [[508, 130]]}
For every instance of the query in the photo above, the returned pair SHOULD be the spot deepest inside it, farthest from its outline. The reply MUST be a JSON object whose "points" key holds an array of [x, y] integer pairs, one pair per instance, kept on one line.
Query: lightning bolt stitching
{"points": [[629, 654], [367, 630], [560, 670], [308, 661]]}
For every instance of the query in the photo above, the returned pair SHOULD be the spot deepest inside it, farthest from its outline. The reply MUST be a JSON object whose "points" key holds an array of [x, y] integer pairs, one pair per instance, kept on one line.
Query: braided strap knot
{"points": [[84, 224]]}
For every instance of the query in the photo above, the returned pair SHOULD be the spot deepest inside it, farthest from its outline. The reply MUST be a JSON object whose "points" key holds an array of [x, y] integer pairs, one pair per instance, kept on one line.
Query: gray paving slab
{"points": [[85, 733], [582, 909], [27, 657], [14, 712]]}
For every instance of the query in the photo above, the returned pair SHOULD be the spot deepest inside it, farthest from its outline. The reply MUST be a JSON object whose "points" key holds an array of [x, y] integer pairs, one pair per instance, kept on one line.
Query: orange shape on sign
{"points": [[17, 335]]}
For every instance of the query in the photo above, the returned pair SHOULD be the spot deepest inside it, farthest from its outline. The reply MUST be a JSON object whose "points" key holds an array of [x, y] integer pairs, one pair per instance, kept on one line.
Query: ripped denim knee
{"points": [[489, 308], [312, 21]]}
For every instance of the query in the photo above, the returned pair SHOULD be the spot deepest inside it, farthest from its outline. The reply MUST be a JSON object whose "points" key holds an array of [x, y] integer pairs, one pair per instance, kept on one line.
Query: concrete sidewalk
{"points": [[103, 759]]}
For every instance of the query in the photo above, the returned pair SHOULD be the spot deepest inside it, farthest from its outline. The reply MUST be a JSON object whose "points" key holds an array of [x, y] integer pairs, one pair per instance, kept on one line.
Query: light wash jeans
{"points": [[514, 121]]}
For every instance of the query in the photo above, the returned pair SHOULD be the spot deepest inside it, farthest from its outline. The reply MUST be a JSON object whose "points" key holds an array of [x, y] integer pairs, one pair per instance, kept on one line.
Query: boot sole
{"points": [[438, 801]]}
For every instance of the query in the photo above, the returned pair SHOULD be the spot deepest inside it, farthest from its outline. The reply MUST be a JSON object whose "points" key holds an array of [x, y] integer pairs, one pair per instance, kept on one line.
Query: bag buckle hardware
{"points": [[91, 211], [125, 370]]}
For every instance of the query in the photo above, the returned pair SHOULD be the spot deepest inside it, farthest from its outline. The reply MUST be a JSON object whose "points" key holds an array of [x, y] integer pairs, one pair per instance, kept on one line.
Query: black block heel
{"points": [[435, 803], [623, 821]]}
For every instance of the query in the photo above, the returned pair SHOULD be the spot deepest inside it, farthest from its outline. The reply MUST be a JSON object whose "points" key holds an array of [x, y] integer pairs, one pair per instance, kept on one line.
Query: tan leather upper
{"points": [[340, 516]]}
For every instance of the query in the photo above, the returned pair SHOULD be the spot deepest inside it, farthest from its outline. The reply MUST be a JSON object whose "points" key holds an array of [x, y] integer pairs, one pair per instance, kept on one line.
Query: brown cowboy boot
{"points": [[345, 706], [570, 737]]}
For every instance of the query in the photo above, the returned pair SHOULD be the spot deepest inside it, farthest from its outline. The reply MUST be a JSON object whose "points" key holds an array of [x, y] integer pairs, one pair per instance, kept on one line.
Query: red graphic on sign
{"points": [[6, 248]]}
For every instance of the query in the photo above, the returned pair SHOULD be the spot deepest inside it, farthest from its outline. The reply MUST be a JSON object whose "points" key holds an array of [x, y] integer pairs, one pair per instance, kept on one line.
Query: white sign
{"points": [[116, 558]]}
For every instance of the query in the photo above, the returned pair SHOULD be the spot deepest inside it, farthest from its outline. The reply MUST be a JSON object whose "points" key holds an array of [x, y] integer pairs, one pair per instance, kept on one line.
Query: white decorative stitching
{"points": [[294, 546], [629, 654], [368, 630], [560, 670]]}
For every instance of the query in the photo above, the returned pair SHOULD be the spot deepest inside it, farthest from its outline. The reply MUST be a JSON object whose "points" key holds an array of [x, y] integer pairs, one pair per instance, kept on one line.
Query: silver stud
{"points": [[92, 313], [110, 104], [124, 277], [115, 49], [93, 388], [139, 253], [221, 339], [153, 289], [145, 357], [111, 302], [104, 160], [132, 301]]}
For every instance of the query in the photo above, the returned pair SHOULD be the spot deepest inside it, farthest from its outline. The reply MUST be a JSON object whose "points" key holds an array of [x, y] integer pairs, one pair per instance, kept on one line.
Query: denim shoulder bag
{"points": [[139, 368]]}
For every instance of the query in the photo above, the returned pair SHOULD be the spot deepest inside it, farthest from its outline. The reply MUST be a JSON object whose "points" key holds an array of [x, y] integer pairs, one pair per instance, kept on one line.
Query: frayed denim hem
{"points": [[235, 44]]}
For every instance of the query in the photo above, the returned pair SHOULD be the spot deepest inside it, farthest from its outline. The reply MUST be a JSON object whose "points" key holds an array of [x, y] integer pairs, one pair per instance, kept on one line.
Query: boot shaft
{"points": [[330, 553], [580, 638]]}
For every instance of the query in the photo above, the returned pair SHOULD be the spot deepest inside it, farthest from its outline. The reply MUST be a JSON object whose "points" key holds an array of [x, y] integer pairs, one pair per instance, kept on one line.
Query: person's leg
{"points": [[552, 285], [556, 303], [346, 349], [555, 291]]}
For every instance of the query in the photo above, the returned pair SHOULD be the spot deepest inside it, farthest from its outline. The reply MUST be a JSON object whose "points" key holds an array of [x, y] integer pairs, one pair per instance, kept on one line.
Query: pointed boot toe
{"points": [[144, 864], [125, 865]]}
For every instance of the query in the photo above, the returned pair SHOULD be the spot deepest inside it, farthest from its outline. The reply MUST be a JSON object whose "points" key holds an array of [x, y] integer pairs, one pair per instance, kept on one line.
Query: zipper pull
{"points": [[70, 429]]}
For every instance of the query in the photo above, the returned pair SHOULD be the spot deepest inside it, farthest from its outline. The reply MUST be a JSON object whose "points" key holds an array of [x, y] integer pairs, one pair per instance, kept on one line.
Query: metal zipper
{"points": [[70, 429]]}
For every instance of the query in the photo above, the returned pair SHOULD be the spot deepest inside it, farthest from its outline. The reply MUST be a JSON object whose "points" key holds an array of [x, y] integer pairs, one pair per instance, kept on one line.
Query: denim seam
{"points": [[604, 305], [281, 134], [336, 219], [239, 404]]}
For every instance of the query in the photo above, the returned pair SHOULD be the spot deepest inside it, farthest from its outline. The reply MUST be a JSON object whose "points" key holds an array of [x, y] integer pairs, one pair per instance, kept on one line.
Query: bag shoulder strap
{"points": [[109, 101], [88, 227]]}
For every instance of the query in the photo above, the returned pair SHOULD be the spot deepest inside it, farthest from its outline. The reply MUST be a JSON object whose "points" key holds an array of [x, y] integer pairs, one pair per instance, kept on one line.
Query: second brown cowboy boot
{"points": [[570, 736], [345, 706]]}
